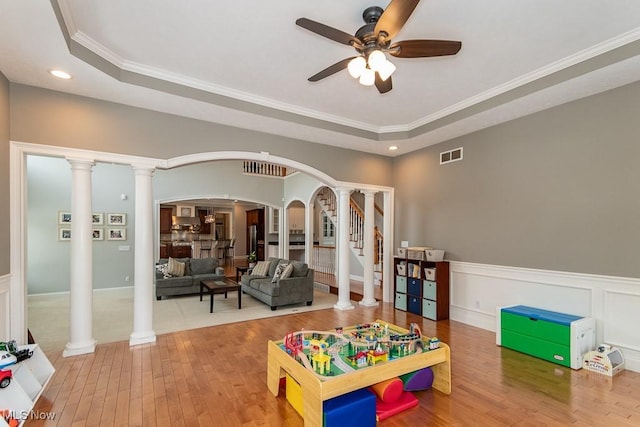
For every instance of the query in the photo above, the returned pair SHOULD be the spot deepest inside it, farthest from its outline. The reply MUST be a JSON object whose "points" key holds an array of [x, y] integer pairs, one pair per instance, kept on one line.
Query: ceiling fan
{"points": [[373, 40]]}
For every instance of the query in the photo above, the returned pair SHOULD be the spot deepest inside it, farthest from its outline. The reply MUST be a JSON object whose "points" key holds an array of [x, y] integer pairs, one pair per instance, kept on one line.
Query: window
{"points": [[328, 230]]}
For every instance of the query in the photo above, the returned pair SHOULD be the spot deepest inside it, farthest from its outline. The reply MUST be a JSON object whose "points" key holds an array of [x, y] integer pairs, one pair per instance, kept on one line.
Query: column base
{"points": [[137, 338], [369, 303], [343, 306], [76, 349]]}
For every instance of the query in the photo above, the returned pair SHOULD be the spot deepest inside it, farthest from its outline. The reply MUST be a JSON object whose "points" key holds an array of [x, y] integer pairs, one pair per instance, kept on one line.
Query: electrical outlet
{"points": [[126, 278], [477, 304]]}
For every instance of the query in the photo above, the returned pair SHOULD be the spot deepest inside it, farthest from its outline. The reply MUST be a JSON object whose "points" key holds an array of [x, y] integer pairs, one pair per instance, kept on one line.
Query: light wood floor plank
{"points": [[217, 376]]}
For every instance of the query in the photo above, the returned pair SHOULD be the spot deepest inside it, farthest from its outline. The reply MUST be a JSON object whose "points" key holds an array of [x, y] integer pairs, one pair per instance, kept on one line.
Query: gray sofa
{"points": [[196, 269], [298, 288]]}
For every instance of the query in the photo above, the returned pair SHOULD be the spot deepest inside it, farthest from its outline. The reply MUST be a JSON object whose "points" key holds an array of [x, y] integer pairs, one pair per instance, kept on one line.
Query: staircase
{"points": [[327, 200]]}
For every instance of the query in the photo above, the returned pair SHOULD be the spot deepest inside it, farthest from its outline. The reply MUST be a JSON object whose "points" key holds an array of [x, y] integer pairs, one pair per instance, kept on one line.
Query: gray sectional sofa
{"points": [[195, 271], [295, 289]]}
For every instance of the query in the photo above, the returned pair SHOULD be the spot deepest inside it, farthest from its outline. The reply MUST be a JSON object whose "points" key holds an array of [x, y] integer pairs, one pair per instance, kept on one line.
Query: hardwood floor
{"points": [[216, 376]]}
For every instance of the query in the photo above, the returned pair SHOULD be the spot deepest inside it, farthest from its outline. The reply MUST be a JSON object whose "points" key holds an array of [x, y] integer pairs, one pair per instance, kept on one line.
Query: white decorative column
{"points": [[387, 247], [308, 235], [143, 258], [81, 339], [344, 285], [284, 242], [368, 300]]}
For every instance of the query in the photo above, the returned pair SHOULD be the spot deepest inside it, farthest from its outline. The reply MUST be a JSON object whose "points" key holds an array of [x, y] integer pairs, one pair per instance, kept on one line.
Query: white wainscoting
{"points": [[478, 289], [5, 308]]}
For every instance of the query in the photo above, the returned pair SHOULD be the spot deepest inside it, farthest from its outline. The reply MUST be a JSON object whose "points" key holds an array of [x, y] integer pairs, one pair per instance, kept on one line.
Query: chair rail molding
{"points": [[477, 290]]}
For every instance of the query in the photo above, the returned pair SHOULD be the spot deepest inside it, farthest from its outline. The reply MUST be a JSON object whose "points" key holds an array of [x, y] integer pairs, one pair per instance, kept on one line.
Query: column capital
{"points": [[342, 190], [143, 168], [369, 192], [79, 163]]}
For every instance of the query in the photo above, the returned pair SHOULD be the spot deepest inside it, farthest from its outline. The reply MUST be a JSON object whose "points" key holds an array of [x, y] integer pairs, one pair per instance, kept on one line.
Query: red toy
{"points": [[5, 378]]}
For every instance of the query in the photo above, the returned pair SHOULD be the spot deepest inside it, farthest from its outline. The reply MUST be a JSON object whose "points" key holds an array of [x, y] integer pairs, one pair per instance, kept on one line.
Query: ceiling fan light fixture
{"points": [[386, 70], [368, 77], [357, 66], [376, 60]]}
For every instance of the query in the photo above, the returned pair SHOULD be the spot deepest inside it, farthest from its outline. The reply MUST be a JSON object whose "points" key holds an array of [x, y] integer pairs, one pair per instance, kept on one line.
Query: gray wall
{"points": [[4, 176], [556, 190], [49, 192], [53, 118], [215, 179]]}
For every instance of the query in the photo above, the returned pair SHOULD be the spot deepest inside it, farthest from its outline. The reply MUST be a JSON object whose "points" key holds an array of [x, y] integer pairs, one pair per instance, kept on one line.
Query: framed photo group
{"points": [[116, 223]]}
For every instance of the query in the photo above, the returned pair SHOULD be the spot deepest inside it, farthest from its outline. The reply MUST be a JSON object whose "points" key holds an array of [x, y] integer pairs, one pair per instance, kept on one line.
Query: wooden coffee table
{"points": [[218, 287]]}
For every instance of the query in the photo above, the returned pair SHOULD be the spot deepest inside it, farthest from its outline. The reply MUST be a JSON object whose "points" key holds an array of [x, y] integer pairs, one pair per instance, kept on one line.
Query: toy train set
{"points": [[331, 353]]}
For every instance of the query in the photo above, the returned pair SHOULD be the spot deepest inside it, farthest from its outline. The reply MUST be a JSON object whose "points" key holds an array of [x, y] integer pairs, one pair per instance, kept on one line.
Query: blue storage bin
{"points": [[414, 305], [413, 287], [355, 409]]}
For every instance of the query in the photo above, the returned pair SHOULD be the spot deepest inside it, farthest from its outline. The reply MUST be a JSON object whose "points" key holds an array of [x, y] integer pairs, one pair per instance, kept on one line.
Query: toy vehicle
{"points": [[23, 354], [9, 346], [7, 359], [5, 378]]}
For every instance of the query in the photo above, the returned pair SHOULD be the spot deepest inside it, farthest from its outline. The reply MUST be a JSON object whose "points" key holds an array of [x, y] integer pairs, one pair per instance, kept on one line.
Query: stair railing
{"points": [[356, 232]]}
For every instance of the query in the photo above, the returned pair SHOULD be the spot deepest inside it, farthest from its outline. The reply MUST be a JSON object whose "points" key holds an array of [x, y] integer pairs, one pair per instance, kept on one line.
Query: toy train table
{"points": [[327, 364]]}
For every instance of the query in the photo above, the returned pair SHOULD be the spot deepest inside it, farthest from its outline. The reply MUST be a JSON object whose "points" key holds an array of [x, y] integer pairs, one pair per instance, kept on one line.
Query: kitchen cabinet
{"points": [[204, 227], [255, 221], [273, 220], [179, 251], [273, 251], [296, 219], [165, 220]]}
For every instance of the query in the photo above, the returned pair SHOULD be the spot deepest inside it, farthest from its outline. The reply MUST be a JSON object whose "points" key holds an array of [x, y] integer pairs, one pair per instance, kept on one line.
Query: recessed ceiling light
{"points": [[60, 74], [393, 147]]}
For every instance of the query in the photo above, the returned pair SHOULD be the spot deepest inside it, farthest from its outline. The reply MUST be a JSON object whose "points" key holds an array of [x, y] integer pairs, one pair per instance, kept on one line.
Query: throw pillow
{"points": [[261, 268], [287, 271], [164, 269], [279, 270], [176, 268]]}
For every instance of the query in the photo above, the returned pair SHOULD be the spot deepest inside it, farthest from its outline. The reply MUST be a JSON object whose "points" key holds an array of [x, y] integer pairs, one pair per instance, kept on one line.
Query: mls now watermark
{"points": [[27, 415]]}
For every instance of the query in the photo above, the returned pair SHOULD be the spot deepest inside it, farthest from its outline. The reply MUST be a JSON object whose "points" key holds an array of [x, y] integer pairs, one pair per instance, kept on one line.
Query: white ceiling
{"points": [[246, 63]]}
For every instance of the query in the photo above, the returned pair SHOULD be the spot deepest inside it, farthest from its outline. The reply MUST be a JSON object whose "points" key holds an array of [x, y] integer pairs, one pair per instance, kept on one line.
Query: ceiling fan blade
{"points": [[424, 48], [395, 16], [328, 32], [383, 86], [332, 69]]}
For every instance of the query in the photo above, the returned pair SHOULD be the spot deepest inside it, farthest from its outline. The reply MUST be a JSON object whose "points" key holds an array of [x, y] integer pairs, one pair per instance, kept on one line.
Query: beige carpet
{"points": [[48, 315]]}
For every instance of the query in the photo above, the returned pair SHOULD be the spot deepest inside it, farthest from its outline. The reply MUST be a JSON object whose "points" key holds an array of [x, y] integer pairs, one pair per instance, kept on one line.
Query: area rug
{"points": [[48, 315]]}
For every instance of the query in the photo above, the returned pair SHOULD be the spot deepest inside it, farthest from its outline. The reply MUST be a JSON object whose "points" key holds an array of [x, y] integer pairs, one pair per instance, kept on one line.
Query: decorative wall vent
{"points": [[451, 156]]}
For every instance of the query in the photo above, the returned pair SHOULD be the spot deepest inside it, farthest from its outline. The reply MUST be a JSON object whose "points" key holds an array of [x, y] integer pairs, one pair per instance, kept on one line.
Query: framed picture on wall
{"points": [[64, 218], [117, 234], [98, 234], [97, 218], [64, 234], [116, 219]]}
